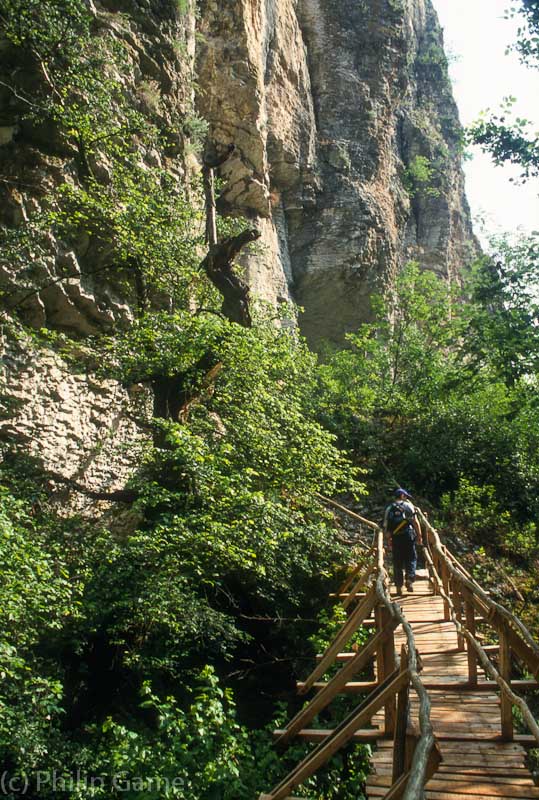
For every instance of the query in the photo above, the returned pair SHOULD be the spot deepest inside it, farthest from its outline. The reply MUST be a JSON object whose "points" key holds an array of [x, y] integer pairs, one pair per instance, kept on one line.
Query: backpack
{"points": [[396, 517]]}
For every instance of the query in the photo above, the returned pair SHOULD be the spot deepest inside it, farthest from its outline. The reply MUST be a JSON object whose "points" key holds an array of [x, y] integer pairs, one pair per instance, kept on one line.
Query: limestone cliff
{"points": [[332, 106], [347, 157], [59, 410]]}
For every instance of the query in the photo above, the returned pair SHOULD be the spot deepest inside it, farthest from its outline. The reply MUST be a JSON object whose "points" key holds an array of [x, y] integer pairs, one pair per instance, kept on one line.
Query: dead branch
{"points": [[219, 268]]}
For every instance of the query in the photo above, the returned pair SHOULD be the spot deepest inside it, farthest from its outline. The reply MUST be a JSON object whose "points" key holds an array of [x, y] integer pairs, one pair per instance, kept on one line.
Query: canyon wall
{"points": [[348, 146], [347, 157]]}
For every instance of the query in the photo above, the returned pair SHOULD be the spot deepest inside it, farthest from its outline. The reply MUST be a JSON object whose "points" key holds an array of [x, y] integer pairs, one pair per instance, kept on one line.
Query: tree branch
{"points": [[218, 266]]}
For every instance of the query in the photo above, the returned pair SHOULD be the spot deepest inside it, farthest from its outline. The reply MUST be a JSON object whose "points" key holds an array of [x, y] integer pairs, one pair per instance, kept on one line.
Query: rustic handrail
{"points": [[463, 631], [418, 770], [476, 589], [391, 680], [460, 573]]}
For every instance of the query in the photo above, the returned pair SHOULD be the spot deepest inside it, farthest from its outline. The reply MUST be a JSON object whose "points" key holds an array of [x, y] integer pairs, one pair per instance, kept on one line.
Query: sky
{"points": [[476, 38]]}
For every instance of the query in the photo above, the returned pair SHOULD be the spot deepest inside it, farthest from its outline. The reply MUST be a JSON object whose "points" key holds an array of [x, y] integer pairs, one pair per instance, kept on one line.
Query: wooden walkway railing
{"points": [[464, 600], [415, 754], [389, 715]]}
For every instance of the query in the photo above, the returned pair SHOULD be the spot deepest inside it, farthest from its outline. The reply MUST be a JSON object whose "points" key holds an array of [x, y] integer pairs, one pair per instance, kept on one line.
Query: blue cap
{"points": [[398, 492]]}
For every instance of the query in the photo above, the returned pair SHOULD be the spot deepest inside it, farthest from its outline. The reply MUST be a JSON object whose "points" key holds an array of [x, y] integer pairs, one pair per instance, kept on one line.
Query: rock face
{"points": [[79, 427], [347, 146], [347, 157], [77, 293]]}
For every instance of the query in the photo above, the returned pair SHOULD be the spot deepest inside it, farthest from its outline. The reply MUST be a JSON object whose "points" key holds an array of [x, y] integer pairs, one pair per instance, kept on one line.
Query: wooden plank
{"points": [[317, 735], [468, 789], [511, 780], [466, 784], [436, 795], [437, 685], [352, 687], [472, 788], [358, 586], [340, 656]]}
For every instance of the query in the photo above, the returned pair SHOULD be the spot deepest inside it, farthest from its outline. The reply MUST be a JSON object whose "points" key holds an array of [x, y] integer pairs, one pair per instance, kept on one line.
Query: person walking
{"points": [[402, 530]]}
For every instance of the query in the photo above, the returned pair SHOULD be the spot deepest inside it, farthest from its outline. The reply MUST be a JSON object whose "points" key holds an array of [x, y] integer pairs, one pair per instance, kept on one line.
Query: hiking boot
{"points": [[410, 585], [399, 591]]}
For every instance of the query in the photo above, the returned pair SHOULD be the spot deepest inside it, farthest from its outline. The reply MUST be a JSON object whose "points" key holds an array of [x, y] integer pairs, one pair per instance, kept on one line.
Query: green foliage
{"points": [[419, 176], [503, 318], [433, 54], [397, 362], [50, 29], [194, 753], [507, 140], [476, 512], [527, 44], [139, 228], [38, 598], [443, 389], [228, 531]]}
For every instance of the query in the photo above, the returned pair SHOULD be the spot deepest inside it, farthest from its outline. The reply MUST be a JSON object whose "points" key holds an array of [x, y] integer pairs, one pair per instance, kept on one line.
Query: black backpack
{"points": [[396, 517]]}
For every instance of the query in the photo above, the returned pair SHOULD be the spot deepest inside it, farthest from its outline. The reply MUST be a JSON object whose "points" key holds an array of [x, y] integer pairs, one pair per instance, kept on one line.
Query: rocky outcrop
{"points": [[67, 284], [346, 157], [347, 147], [76, 425]]}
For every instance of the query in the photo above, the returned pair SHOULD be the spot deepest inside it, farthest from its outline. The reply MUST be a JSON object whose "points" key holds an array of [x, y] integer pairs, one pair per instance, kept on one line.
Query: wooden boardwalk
{"points": [[439, 710], [476, 764]]}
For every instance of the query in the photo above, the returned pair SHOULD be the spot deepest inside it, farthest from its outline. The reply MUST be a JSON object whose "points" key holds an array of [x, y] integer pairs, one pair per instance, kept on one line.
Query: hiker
{"points": [[402, 530]]}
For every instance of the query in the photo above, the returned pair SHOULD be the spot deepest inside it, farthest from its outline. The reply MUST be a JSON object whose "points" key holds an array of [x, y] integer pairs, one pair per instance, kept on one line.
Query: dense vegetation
{"points": [[126, 644]]}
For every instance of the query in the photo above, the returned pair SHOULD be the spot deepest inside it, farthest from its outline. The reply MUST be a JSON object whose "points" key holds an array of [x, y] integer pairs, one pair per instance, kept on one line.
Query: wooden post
{"points": [[470, 625], [457, 603], [505, 672], [445, 582], [434, 559], [401, 723], [385, 665]]}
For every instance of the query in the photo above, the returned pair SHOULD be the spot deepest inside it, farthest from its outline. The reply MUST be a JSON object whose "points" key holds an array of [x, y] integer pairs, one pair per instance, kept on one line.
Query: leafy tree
{"points": [[446, 388], [503, 316], [527, 44], [507, 140], [419, 176]]}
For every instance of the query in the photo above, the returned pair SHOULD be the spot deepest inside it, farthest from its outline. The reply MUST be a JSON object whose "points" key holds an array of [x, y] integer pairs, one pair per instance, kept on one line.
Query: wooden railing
{"points": [[467, 605], [415, 754]]}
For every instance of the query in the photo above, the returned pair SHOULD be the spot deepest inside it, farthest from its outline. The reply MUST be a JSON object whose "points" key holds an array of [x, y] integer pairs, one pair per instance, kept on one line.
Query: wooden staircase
{"points": [[441, 714], [475, 764]]}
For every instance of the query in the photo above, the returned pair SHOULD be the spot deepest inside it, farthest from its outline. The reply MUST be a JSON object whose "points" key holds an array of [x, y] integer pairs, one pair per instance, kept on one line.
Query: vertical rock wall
{"points": [[79, 426], [330, 103]]}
